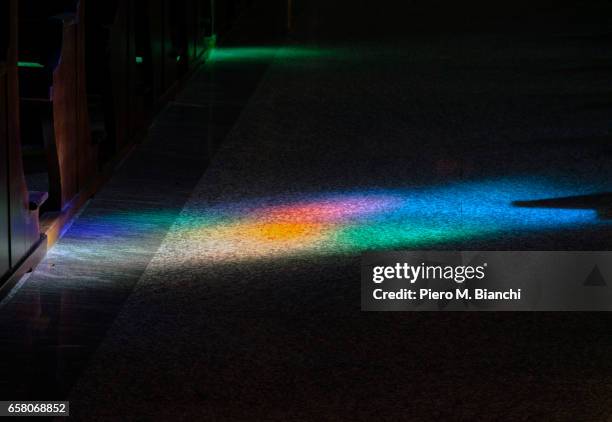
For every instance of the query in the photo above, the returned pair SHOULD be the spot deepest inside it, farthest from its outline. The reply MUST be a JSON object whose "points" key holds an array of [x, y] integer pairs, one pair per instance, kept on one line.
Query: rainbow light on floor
{"points": [[340, 223], [350, 223]]}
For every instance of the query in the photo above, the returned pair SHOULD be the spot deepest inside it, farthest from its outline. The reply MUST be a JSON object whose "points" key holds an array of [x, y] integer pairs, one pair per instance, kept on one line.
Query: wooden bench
{"points": [[53, 98]]}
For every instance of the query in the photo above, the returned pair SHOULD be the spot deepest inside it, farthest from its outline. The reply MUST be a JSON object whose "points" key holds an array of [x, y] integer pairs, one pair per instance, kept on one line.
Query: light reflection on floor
{"points": [[287, 54], [353, 222]]}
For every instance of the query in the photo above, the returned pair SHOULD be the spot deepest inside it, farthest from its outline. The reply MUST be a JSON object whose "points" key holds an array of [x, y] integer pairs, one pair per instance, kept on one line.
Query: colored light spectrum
{"points": [[350, 222]]}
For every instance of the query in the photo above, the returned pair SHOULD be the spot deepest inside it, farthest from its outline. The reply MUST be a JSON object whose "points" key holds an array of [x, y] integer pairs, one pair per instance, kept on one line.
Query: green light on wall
{"points": [[139, 60], [30, 64], [178, 59]]}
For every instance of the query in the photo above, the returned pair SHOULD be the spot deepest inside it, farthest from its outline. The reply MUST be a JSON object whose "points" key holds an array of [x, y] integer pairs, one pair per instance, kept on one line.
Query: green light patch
{"points": [[30, 65]]}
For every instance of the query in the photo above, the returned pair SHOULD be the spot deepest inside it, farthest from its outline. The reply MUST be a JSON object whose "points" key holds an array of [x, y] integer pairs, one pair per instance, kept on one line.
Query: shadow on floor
{"points": [[600, 202]]}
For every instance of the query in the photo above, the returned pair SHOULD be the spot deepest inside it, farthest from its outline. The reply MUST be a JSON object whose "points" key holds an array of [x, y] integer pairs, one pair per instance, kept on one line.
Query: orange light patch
{"points": [[325, 211], [281, 231], [254, 239]]}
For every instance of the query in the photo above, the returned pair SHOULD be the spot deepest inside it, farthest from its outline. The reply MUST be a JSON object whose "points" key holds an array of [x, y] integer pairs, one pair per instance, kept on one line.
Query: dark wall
{"points": [[4, 204], [19, 230]]}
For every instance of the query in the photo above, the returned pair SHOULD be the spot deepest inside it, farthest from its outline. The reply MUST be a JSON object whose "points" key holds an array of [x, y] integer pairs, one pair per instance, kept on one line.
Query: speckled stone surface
{"points": [[230, 329], [222, 327]]}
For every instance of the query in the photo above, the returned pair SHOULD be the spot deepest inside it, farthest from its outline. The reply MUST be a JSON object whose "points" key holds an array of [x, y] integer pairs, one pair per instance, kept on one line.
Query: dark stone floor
{"points": [[55, 318], [236, 296]]}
